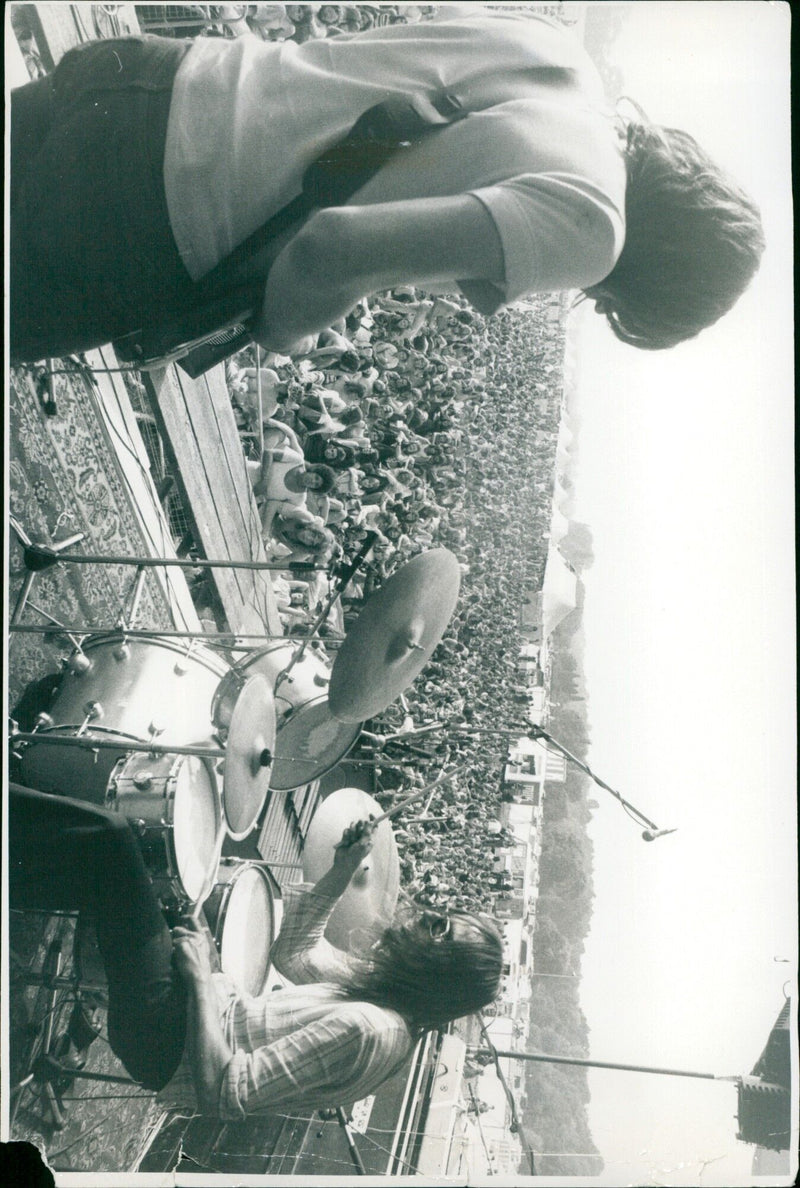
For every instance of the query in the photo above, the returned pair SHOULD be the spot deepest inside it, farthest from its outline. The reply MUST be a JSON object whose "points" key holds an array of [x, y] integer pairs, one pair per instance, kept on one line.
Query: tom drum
{"points": [[241, 913], [310, 741]]}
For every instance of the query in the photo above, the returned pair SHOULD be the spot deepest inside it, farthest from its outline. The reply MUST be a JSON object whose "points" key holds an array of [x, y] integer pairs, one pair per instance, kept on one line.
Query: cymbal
{"points": [[394, 636], [367, 906], [249, 755]]}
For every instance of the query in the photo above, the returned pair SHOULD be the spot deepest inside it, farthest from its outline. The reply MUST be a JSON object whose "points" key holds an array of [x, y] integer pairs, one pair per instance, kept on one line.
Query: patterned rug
{"points": [[64, 479]]}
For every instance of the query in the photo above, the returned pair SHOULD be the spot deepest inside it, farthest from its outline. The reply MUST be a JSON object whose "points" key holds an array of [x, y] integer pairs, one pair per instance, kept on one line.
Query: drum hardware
{"points": [[309, 740], [340, 585], [208, 637], [91, 742], [73, 636], [79, 663], [48, 556], [122, 652], [93, 710], [36, 557], [127, 619], [43, 721]]}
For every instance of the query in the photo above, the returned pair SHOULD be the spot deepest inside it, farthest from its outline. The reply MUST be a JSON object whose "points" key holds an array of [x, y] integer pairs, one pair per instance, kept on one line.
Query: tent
{"points": [[559, 591]]}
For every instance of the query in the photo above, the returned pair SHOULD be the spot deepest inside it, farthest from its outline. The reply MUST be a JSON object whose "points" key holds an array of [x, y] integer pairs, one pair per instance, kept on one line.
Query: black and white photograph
{"points": [[400, 645]]}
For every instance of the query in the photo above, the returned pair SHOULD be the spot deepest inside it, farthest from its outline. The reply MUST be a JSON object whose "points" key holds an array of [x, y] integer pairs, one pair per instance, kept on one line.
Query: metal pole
{"points": [[23, 596], [537, 734], [348, 1134], [157, 633], [89, 743], [180, 562], [136, 595], [55, 624], [548, 1058]]}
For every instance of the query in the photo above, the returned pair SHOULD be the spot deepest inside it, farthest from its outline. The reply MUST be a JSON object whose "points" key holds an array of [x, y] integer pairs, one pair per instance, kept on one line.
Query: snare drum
{"points": [[241, 913], [172, 803], [157, 690], [310, 741]]}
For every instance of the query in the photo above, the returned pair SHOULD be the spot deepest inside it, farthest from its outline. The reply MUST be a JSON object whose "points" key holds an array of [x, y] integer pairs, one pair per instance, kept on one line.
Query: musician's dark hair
{"points": [[431, 981], [348, 457], [693, 241], [329, 477]]}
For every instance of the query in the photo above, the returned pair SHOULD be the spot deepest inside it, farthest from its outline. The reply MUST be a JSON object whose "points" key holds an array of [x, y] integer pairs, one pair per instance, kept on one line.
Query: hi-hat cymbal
{"points": [[394, 636], [249, 755], [367, 906]]}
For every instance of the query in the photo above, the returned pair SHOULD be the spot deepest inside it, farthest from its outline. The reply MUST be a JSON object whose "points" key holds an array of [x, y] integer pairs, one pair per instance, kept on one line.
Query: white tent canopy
{"points": [[559, 526], [559, 591]]}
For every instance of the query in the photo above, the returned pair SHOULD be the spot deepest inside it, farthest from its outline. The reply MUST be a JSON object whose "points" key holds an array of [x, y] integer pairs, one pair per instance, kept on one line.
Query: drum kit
{"points": [[187, 747]]}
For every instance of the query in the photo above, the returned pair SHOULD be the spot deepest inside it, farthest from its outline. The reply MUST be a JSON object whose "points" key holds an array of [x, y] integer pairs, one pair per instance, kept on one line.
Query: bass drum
{"points": [[241, 913], [309, 741], [146, 689]]}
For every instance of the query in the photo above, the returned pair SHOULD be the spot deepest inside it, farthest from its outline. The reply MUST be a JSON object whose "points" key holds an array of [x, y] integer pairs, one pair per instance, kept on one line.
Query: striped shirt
{"points": [[304, 1047]]}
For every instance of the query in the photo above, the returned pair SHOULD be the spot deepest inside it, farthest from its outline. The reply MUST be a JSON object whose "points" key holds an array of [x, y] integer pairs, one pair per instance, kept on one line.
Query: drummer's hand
{"points": [[191, 951], [356, 843]]}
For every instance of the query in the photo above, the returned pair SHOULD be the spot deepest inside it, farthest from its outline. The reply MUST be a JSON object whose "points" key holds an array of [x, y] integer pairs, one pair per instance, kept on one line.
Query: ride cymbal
{"points": [[394, 636]]}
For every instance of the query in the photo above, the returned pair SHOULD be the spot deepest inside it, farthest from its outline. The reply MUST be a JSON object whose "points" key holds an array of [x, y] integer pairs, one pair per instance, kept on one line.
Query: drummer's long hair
{"points": [[693, 240], [431, 981]]}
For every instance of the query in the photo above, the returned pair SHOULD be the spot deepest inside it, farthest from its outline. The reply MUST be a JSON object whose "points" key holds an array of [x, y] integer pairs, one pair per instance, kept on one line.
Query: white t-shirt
{"points": [[539, 148]]}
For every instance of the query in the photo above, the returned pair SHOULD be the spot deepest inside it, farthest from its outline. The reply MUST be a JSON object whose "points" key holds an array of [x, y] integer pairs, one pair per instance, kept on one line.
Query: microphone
{"points": [[652, 834]]}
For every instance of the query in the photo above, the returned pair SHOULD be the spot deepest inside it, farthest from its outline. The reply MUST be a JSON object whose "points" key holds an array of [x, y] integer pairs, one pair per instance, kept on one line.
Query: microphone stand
{"points": [[538, 732]]}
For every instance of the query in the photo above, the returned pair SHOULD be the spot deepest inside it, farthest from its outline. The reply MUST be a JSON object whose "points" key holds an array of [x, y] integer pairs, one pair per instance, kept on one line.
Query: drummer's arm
{"points": [[207, 1049], [347, 857], [301, 953]]}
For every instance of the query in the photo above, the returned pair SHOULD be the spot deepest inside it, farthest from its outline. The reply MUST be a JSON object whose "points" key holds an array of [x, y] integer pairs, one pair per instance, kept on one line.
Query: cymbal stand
{"points": [[45, 1069], [48, 555], [355, 1154], [340, 585], [539, 734], [36, 557], [68, 630], [131, 608]]}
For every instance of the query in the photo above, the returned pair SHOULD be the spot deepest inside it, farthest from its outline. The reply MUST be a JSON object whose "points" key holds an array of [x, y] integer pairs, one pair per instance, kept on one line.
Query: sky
{"points": [[685, 476]]}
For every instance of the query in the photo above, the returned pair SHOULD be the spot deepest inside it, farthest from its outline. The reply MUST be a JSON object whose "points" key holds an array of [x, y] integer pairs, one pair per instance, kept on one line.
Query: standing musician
{"points": [[142, 162], [180, 1027]]}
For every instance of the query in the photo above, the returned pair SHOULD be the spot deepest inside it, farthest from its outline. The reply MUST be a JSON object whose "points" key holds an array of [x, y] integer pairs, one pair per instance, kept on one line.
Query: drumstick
{"points": [[260, 405], [392, 812], [195, 910]]}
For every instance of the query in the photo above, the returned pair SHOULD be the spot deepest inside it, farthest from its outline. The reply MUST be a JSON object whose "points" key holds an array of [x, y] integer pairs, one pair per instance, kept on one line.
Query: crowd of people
{"points": [[430, 426], [275, 22], [420, 421]]}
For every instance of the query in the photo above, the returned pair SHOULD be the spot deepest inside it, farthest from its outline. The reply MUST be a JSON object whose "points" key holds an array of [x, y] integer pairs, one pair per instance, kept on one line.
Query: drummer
{"points": [[182, 1028]]}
